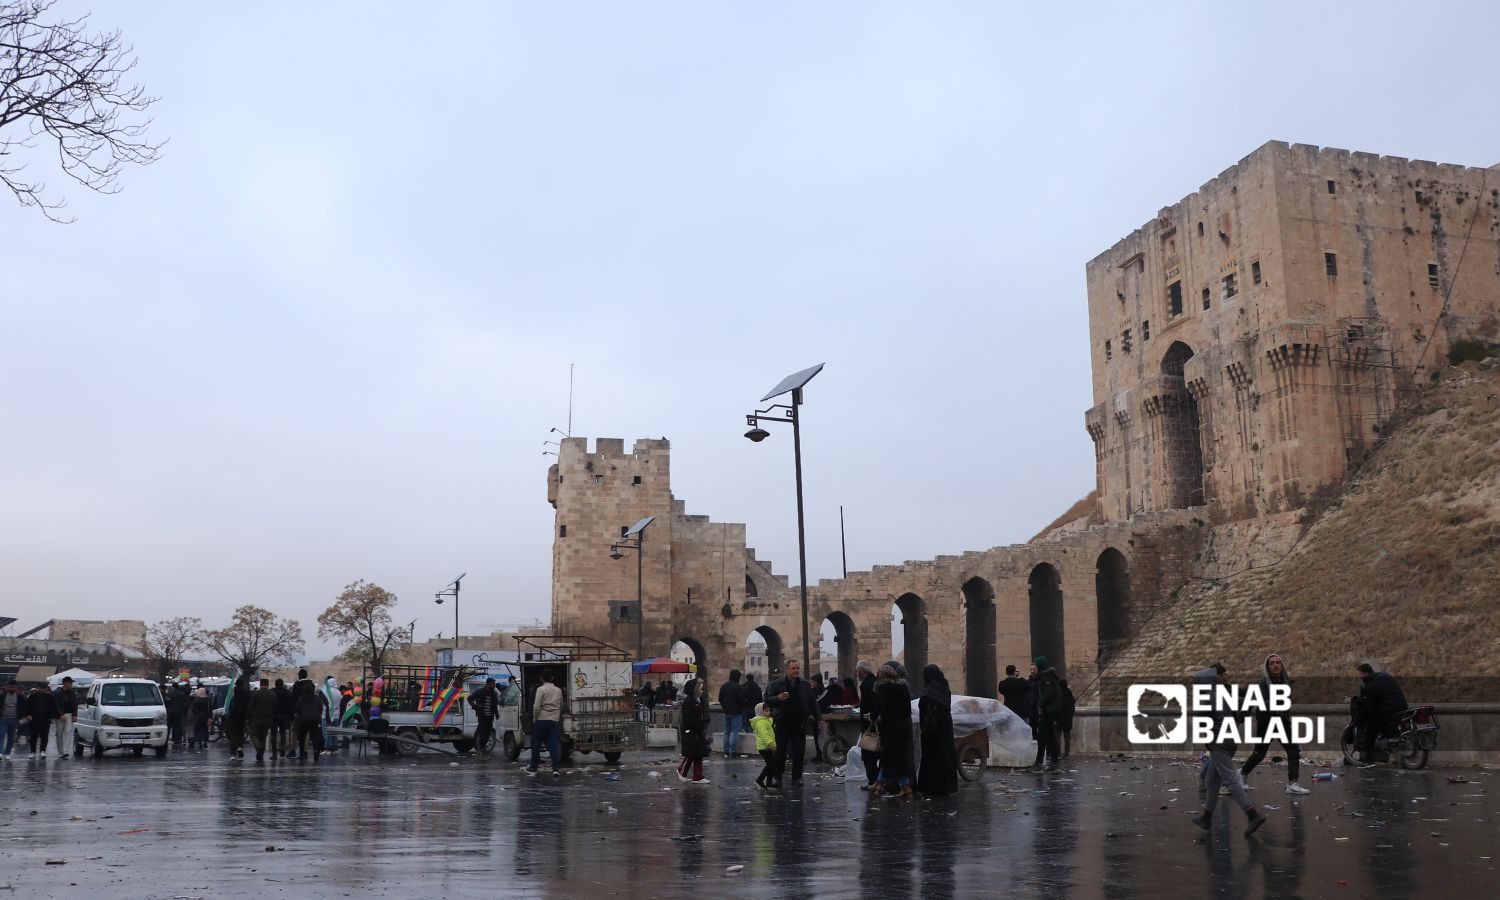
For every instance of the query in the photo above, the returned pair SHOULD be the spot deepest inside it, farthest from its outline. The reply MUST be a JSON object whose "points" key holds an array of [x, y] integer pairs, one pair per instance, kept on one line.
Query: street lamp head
{"points": [[614, 552], [438, 600], [757, 434]]}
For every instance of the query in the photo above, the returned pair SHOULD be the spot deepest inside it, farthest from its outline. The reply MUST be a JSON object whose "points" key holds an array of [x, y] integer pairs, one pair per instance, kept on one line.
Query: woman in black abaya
{"points": [[939, 772]]}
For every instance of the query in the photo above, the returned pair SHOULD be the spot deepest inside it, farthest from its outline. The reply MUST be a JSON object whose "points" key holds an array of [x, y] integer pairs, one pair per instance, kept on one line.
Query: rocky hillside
{"points": [[1401, 567]]}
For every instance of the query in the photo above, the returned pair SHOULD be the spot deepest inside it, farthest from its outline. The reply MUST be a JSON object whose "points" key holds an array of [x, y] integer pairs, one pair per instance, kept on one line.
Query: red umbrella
{"points": [[661, 664]]}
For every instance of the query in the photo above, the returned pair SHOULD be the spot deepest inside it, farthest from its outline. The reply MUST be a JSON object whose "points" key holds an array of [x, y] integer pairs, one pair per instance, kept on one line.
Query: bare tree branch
{"points": [[361, 617], [167, 642], [62, 86], [253, 638]]}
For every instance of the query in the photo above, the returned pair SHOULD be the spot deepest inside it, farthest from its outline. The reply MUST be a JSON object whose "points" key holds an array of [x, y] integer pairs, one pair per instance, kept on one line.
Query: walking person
{"points": [[67, 713], [939, 772], [309, 710], [546, 724], [262, 718], [486, 705], [816, 683], [200, 711], [732, 706], [281, 722], [236, 714], [1274, 672], [1047, 700], [871, 758], [765, 745], [1221, 769], [750, 696], [41, 710], [177, 700], [893, 720], [1065, 718], [330, 698], [12, 710], [793, 707], [694, 733]]}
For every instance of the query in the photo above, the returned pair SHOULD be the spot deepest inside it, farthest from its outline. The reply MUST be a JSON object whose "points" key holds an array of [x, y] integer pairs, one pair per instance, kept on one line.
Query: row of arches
{"points": [[764, 650]]}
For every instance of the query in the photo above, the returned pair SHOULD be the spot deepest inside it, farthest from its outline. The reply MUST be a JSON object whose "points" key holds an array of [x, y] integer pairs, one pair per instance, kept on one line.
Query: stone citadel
{"points": [[1248, 344]]}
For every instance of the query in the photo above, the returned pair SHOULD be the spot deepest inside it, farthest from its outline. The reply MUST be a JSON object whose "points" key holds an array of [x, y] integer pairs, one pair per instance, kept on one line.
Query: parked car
{"points": [[121, 713]]}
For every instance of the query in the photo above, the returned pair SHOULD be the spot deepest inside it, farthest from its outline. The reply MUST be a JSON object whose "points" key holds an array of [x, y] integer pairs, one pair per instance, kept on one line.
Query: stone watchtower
{"points": [[598, 496]]}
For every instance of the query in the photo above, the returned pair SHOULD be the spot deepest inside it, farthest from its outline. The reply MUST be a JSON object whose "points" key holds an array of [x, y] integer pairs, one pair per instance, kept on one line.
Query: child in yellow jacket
{"points": [[765, 745]]}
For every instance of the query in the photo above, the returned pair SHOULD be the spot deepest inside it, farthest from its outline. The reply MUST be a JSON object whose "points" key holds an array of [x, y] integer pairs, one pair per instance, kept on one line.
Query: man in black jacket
{"points": [[177, 707], [1047, 703], [486, 704], [262, 718], [41, 709], [731, 704], [1015, 692], [1381, 701], [794, 709], [281, 722], [236, 716], [871, 758]]}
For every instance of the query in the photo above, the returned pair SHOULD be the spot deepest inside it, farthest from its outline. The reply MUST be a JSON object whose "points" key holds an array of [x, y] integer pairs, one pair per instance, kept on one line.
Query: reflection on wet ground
{"points": [[196, 826]]}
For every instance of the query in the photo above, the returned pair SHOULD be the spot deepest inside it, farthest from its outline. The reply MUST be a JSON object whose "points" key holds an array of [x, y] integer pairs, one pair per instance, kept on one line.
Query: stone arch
{"points": [[913, 621], [775, 647], [846, 640], [1182, 439], [980, 678], [700, 656], [1044, 587], [1112, 601]]}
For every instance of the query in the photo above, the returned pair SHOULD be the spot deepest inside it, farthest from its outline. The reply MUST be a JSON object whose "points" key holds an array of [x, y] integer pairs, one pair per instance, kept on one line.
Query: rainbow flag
{"points": [[429, 688], [444, 700]]}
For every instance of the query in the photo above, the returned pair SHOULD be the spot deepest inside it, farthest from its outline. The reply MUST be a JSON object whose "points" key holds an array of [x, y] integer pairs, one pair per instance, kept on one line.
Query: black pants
{"points": [[1046, 739], [308, 733], [768, 771], [1293, 760], [872, 765], [281, 736], [484, 732], [174, 730], [200, 731], [791, 741], [40, 728], [234, 733], [1372, 726], [259, 730]]}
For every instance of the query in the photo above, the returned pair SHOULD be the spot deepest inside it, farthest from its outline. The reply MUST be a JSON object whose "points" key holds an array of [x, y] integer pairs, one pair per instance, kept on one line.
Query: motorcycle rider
{"points": [[1381, 701]]}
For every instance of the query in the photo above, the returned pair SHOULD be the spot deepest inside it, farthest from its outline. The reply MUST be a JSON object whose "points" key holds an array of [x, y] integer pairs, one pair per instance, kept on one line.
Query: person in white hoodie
{"points": [[1275, 673]]}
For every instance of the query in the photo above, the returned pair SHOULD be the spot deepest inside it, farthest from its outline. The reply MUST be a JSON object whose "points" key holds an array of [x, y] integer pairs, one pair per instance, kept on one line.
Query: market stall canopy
{"points": [[662, 664], [80, 678]]}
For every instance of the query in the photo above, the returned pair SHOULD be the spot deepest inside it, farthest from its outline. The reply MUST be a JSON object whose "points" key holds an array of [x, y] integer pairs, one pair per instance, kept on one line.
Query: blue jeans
{"points": [[9, 728], [733, 725], [550, 731]]}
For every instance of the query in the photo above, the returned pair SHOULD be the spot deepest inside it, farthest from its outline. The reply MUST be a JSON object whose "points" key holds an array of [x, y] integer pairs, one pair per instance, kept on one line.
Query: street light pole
{"points": [[452, 591], [635, 539], [790, 413]]}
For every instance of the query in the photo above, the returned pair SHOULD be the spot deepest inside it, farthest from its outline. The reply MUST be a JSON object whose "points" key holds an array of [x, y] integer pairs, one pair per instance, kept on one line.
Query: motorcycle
{"points": [[1408, 739]]}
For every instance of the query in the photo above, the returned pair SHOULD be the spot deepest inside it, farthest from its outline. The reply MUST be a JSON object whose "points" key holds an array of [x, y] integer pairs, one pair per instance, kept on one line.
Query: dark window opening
{"points": [[1332, 187], [562, 531], [1255, 272], [1331, 263], [1146, 330], [1206, 301], [1140, 266], [1432, 276], [1174, 298], [1200, 229], [635, 480], [1109, 352], [598, 479], [624, 530], [1230, 286], [1420, 199], [1125, 341]]}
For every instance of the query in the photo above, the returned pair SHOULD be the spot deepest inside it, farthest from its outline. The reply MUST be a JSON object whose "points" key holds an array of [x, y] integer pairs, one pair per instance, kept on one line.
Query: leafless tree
{"points": [[167, 642], [361, 618], [254, 638], [64, 89]]}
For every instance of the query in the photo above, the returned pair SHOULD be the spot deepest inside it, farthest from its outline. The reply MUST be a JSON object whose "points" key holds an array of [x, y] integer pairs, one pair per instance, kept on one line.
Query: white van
{"points": [[121, 712]]}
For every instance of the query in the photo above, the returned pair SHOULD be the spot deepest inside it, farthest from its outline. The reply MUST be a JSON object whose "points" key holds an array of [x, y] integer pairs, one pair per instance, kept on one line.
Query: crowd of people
{"points": [[40, 713]]}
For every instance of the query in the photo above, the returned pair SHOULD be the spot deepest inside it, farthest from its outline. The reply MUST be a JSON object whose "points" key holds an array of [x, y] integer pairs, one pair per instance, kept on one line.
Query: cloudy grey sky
{"points": [[324, 338]]}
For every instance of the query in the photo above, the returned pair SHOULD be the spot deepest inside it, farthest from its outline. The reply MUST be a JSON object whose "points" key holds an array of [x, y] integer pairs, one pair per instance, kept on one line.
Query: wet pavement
{"points": [[196, 825]]}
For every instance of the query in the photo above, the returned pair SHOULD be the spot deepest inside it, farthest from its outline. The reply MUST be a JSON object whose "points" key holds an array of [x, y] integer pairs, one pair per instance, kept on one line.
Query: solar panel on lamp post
{"points": [[793, 384], [639, 546]]}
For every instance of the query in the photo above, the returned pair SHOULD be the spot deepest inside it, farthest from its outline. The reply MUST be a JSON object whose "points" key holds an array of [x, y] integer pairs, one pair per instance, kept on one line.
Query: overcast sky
{"points": [[325, 336]]}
